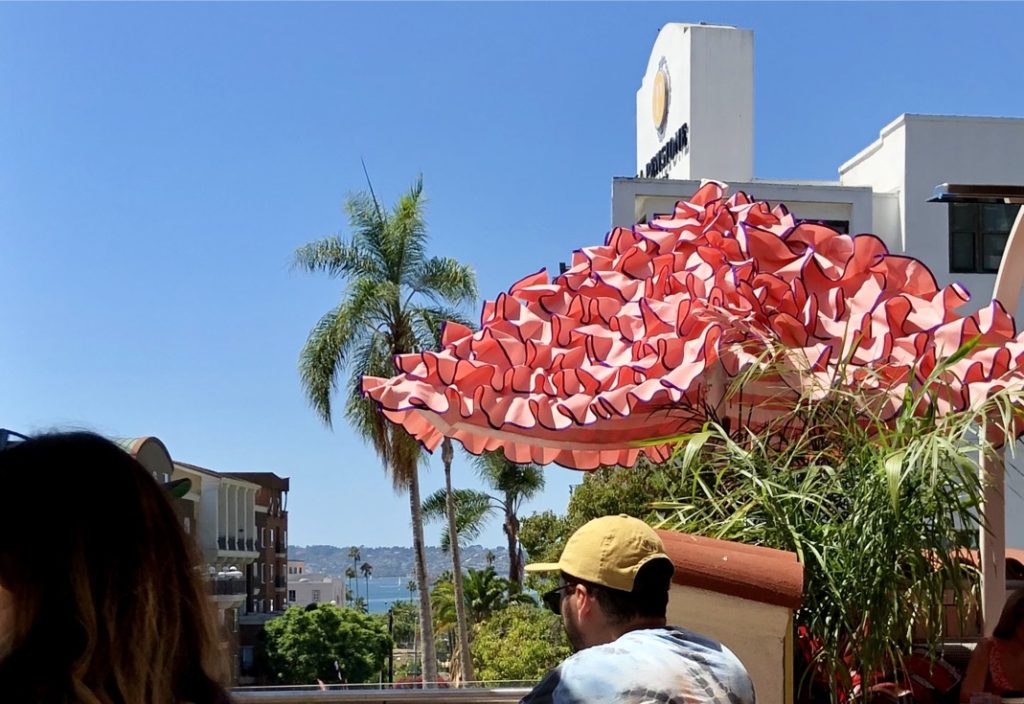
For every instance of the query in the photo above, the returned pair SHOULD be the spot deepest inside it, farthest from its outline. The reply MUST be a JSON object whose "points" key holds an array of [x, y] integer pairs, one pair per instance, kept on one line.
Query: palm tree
{"points": [[516, 483], [353, 553], [350, 574], [513, 484], [486, 593], [367, 569], [465, 657], [394, 299], [411, 587]]}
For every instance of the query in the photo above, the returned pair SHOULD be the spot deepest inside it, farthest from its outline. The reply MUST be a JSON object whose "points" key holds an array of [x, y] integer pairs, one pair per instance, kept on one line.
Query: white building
{"points": [[689, 128], [226, 514], [305, 588]]}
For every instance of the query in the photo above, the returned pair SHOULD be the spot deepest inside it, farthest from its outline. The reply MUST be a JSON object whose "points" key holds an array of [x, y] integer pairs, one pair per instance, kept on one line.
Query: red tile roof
{"points": [[746, 571]]}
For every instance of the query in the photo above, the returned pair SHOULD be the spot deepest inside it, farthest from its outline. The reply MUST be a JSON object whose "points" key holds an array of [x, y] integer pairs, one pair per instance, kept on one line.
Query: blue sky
{"points": [[159, 163]]}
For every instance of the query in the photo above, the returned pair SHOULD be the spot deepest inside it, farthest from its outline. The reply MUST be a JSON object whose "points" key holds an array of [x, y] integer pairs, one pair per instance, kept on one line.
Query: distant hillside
{"points": [[394, 561]]}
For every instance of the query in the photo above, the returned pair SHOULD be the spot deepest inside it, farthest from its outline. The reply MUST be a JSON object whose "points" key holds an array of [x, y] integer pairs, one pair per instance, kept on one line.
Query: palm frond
{"points": [[444, 279], [472, 510], [322, 357], [407, 234], [428, 323], [336, 258]]}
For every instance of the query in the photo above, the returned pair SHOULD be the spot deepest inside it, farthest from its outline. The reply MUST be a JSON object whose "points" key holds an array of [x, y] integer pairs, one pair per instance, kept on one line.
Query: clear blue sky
{"points": [[160, 162]]}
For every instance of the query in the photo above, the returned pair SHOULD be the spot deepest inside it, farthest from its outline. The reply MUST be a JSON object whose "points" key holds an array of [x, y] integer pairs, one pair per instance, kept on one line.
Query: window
{"points": [[263, 537], [977, 236], [188, 524], [271, 536], [840, 226], [316, 596], [291, 595]]}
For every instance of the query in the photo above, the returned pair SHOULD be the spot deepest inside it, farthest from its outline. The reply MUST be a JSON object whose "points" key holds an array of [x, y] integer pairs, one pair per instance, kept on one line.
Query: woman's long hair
{"points": [[1011, 617], [110, 602]]}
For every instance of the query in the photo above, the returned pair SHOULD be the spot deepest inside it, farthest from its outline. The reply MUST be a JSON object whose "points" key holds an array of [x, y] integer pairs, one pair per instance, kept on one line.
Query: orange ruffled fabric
{"points": [[639, 339]]}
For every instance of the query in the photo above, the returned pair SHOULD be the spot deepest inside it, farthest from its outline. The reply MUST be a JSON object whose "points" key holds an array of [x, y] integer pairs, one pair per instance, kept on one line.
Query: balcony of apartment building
{"points": [[226, 517]]}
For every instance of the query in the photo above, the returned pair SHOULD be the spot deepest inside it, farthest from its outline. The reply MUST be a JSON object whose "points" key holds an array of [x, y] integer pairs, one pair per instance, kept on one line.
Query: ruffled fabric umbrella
{"points": [[637, 342]]}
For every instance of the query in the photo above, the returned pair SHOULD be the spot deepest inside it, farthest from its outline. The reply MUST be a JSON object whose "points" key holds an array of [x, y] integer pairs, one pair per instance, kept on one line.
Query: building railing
{"points": [[228, 587], [250, 544], [222, 542], [313, 695]]}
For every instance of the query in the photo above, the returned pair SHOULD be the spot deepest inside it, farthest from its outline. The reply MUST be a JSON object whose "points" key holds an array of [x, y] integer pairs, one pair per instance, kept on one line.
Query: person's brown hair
{"points": [[648, 599], [1011, 617], [110, 604]]}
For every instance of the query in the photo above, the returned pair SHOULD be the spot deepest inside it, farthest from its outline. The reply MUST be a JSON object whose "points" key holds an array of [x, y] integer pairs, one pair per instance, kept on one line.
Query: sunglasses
{"points": [[553, 598], [9, 437]]}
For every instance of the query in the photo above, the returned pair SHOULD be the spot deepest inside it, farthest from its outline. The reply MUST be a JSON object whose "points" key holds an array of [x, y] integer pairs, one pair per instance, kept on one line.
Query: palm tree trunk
{"points": [[515, 569], [465, 657], [426, 621]]}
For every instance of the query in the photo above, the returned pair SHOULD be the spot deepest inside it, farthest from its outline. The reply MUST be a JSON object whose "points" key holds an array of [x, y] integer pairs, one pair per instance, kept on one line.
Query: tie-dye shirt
{"points": [[649, 666]]}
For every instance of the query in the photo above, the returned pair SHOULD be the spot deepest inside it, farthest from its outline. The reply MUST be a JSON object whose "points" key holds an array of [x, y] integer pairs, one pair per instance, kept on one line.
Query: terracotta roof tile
{"points": [[747, 571]]}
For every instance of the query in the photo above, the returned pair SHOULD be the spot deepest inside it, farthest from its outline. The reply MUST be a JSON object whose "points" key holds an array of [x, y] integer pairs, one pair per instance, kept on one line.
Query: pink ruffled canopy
{"points": [[637, 341]]}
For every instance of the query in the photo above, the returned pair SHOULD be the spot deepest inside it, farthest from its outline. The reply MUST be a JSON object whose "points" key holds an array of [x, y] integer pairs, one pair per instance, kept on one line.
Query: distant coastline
{"points": [[393, 562]]}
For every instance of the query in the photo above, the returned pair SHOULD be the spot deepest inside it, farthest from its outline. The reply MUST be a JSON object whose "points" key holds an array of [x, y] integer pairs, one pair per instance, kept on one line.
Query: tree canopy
{"points": [[303, 645]]}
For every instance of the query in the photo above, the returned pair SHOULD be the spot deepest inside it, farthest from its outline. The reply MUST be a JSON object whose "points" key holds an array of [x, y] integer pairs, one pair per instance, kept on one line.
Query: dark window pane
{"points": [[992, 245], [996, 217], [961, 251], [963, 216]]}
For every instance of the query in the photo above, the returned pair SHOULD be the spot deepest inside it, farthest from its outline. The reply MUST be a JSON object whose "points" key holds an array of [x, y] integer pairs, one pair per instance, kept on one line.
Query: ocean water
{"points": [[384, 591]]}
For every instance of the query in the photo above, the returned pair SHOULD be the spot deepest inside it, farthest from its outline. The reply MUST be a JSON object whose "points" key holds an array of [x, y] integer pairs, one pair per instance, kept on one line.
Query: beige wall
{"points": [[759, 635]]}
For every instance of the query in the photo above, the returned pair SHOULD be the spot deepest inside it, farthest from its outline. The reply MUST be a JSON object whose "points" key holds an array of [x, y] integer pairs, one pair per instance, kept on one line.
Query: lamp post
{"points": [[391, 655], [1007, 290]]}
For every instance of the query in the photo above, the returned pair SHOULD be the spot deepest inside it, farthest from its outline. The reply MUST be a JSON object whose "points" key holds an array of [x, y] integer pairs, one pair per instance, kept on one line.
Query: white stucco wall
{"points": [[331, 589], [700, 60], [636, 198], [754, 631]]}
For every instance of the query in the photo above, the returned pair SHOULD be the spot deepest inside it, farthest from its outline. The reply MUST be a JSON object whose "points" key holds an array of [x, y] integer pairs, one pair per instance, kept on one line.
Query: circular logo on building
{"points": [[660, 97]]}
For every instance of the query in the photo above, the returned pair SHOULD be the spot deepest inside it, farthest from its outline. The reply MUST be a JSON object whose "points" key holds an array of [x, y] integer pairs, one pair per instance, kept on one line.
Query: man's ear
{"points": [[585, 602]]}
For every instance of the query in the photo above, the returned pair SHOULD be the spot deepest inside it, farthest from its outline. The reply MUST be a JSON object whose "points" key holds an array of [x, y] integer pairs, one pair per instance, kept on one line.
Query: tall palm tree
{"points": [[350, 575], [515, 483], [395, 296], [512, 485], [353, 553], [465, 657], [367, 569]]}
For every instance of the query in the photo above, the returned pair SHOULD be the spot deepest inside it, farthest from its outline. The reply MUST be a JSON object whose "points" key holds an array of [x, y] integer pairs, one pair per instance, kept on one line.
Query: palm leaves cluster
{"points": [[878, 509], [512, 484]]}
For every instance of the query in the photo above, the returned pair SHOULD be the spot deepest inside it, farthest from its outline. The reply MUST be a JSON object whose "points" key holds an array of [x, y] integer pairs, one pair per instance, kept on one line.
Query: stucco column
{"points": [[992, 541]]}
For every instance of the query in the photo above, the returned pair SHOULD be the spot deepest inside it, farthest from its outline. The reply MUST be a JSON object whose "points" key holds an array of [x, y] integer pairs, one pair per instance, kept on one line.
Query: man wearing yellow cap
{"points": [[615, 578]]}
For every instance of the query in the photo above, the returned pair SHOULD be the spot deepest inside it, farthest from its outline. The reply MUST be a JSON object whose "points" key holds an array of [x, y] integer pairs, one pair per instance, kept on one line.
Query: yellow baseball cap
{"points": [[608, 551]]}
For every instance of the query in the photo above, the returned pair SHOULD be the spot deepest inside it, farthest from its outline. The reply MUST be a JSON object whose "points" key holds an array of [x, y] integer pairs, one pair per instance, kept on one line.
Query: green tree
{"points": [[404, 623], [487, 593], [395, 295], [303, 645], [520, 642], [543, 536], [609, 491]]}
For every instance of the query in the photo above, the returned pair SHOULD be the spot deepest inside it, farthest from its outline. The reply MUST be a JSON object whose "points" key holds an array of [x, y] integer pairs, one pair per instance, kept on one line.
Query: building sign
{"points": [[676, 145], [660, 94]]}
